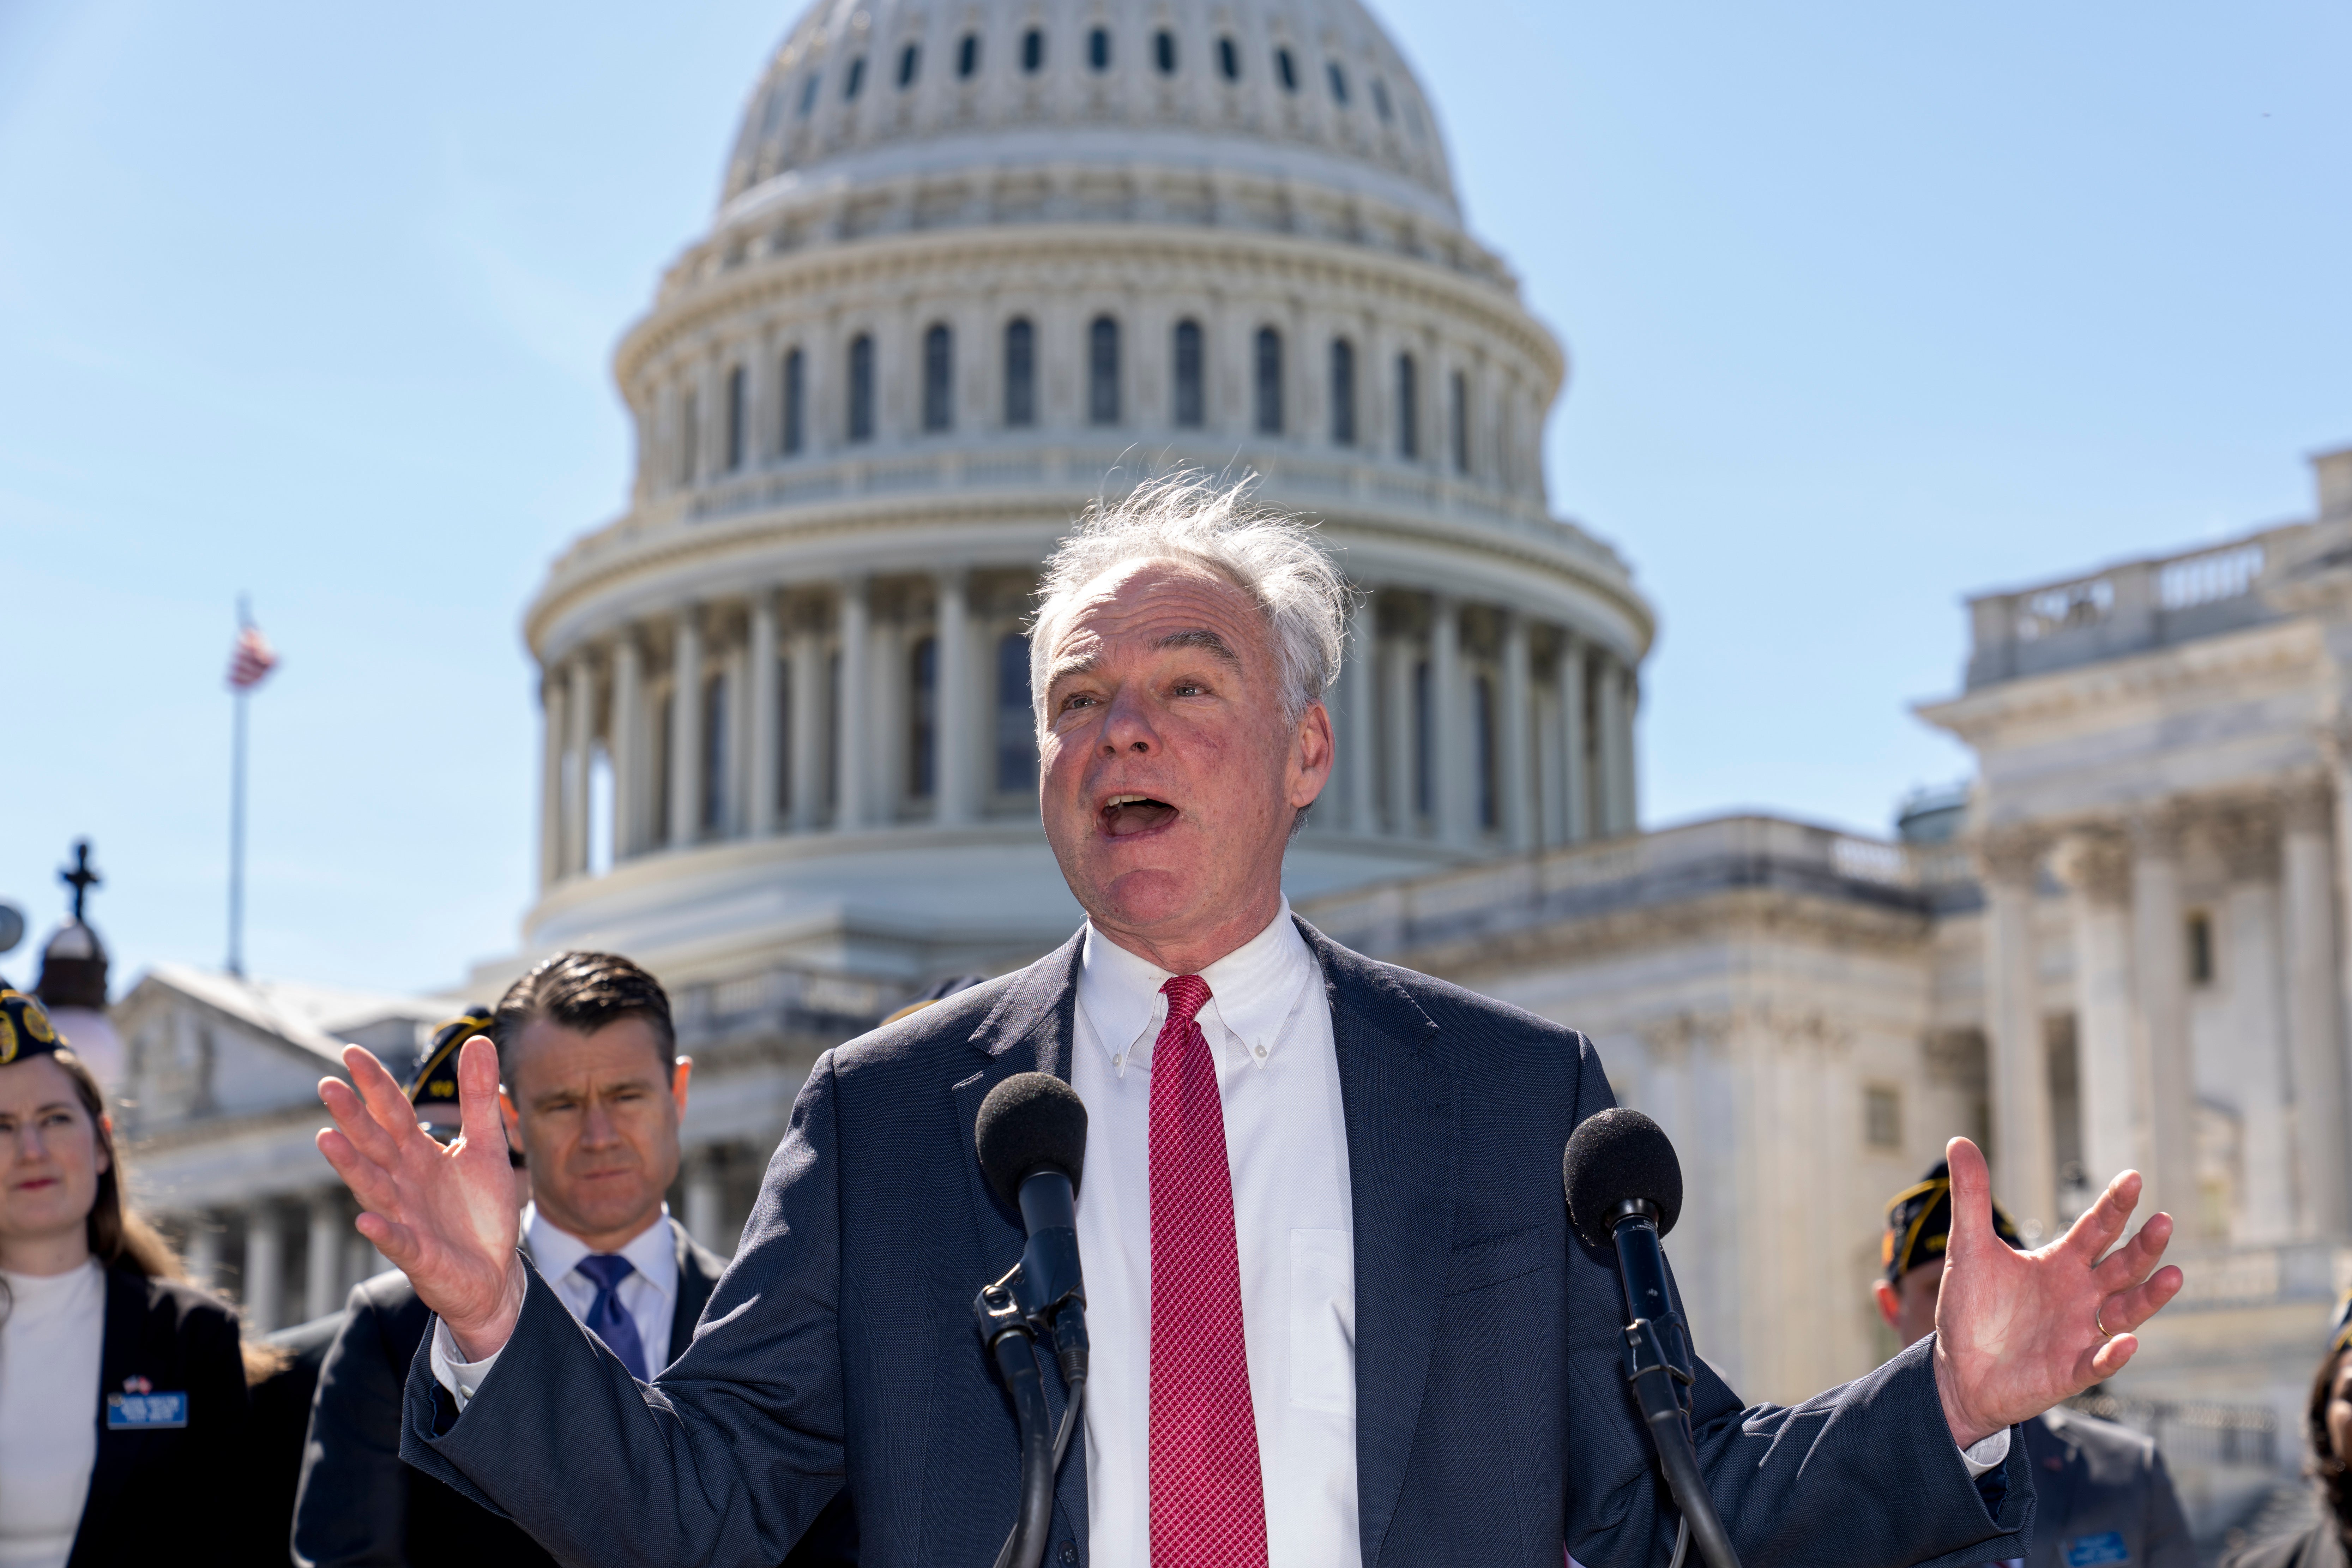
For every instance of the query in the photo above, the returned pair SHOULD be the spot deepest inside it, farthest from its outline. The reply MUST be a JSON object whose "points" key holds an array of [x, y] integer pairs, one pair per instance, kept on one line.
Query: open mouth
{"points": [[1125, 814]]}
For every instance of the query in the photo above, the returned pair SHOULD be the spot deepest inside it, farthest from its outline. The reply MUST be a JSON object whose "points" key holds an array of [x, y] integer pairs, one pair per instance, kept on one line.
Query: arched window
{"points": [[910, 60], [1164, 51], [855, 79], [793, 436], [1408, 405], [689, 435], [1490, 799], [861, 388], [923, 718], [713, 816], [1286, 70], [808, 93], [1016, 721], [1267, 377], [1457, 416], [1339, 82], [1190, 404], [1343, 393], [737, 411], [1102, 371], [939, 377], [968, 55], [1098, 48], [1033, 50], [1380, 99], [1020, 373], [1229, 58]]}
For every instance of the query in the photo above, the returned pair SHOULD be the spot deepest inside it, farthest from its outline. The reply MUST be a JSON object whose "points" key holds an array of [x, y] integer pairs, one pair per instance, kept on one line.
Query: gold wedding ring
{"points": [[2098, 1321]]}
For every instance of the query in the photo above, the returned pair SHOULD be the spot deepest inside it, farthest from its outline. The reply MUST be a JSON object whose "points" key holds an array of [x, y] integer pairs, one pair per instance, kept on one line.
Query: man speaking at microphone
{"points": [[1336, 1314]]}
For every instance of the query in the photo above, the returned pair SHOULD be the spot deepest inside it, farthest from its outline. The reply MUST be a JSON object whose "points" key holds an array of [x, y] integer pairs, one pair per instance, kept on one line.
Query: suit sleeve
{"points": [[353, 1508], [2167, 1543], [729, 1459]]}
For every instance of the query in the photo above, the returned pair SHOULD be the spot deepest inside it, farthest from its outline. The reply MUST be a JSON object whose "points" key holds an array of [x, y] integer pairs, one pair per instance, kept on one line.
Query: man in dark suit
{"points": [[2102, 1494], [1338, 1315]]}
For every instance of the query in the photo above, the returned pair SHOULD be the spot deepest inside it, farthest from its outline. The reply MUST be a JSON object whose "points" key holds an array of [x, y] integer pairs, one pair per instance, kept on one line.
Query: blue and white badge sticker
{"points": [[145, 1412], [2095, 1551]]}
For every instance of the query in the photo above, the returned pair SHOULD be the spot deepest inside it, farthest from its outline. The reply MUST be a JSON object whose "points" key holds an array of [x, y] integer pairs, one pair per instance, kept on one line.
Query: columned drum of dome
{"points": [[972, 266]]}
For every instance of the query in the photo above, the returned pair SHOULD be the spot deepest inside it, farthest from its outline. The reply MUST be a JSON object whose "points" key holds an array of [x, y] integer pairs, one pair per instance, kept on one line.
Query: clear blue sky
{"points": [[1867, 307]]}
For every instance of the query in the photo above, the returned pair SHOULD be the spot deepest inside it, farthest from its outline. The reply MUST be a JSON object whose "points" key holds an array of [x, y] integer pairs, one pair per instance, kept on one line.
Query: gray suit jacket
{"points": [[2102, 1496], [1494, 1425]]}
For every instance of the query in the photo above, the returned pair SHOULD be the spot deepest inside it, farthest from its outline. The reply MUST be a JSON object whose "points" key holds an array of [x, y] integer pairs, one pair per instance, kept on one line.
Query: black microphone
{"points": [[1032, 1139], [1625, 1189]]}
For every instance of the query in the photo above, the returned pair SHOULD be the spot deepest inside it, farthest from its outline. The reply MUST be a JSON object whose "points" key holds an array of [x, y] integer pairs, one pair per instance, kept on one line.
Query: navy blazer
{"points": [[1493, 1422]]}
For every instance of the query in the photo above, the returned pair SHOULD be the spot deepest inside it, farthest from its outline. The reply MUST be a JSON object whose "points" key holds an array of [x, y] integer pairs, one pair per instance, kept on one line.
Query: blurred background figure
{"points": [[122, 1390], [2102, 1493], [2328, 1426]]}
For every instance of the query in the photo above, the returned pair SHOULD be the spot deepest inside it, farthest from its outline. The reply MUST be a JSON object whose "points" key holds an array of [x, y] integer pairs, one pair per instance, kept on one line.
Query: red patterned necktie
{"points": [[1208, 1503]]}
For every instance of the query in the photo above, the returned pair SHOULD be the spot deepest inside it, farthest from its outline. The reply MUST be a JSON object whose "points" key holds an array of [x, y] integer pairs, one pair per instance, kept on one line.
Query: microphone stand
{"points": [[1043, 1297], [1658, 1365]]}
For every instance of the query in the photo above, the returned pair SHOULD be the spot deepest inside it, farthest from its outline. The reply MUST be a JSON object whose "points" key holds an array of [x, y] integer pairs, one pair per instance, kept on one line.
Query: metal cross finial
{"points": [[81, 878]]}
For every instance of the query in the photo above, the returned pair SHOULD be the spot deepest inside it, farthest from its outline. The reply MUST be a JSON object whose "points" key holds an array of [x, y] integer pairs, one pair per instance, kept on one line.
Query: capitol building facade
{"points": [[978, 262]]}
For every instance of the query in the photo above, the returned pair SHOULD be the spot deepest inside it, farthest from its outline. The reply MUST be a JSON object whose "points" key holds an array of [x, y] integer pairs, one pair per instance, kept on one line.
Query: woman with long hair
{"points": [[2327, 1428], [122, 1390]]}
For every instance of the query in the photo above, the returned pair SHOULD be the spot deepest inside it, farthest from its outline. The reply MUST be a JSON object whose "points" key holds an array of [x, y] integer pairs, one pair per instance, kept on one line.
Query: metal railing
{"points": [[2193, 1431]]}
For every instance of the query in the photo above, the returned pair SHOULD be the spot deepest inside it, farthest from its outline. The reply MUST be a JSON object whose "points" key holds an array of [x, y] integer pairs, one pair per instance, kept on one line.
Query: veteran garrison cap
{"points": [[435, 1083], [25, 1028], [1919, 1224]]}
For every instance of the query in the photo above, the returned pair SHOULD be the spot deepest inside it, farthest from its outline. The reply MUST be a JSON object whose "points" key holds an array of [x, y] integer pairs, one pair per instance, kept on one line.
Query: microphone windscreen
{"points": [[1616, 1155], [1030, 1121]]}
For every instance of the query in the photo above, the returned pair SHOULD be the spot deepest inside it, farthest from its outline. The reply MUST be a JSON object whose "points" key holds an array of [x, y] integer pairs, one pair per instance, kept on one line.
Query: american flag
{"points": [[250, 659]]}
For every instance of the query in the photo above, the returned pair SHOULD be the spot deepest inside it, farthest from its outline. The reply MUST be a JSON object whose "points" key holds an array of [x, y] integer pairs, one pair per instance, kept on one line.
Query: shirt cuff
{"points": [[1980, 1458], [464, 1378]]}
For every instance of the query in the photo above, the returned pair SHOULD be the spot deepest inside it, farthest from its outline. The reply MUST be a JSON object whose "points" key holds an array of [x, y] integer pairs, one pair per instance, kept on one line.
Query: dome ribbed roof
{"points": [[1311, 90]]}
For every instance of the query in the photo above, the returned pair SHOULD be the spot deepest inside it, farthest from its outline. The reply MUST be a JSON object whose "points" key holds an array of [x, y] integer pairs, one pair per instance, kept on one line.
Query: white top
{"points": [[1269, 1028], [49, 1352], [649, 1296]]}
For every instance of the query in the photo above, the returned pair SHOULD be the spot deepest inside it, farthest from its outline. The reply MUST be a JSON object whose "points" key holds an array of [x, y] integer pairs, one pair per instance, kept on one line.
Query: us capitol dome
{"points": [[974, 263]]}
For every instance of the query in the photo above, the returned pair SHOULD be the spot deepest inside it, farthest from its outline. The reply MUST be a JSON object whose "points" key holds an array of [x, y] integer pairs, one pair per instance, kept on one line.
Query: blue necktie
{"points": [[607, 1320]]}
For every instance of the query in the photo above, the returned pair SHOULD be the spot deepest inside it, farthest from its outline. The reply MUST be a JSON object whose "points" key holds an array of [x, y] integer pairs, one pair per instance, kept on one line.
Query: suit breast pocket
{"points": [[1323, 1320], [1486, 1263]]}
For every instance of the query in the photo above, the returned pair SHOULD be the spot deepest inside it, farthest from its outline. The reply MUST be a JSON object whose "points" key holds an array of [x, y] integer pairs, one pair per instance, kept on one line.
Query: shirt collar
{"points": [[1253, 991], [556, 1252]]}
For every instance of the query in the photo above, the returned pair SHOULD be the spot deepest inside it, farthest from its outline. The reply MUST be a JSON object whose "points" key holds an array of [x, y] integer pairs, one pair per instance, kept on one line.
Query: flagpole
{"points": [[236, 815]]}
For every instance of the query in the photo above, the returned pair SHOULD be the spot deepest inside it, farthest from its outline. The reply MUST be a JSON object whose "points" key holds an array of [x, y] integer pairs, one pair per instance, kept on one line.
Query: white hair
{"points": [[1190, 516]]}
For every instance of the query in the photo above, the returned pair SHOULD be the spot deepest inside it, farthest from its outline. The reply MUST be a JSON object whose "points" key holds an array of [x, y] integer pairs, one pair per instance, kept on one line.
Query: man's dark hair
{"points": [[585, 991]]}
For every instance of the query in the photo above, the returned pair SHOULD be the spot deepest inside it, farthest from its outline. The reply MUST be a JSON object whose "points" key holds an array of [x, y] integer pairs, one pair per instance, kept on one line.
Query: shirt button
{"points": [[1261, 1053], [1069, 1553]]}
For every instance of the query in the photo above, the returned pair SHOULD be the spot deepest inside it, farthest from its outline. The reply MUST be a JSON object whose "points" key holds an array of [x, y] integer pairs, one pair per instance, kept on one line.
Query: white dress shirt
{"points": [[1268, 1025], [649, 1296], [51, 1352]]}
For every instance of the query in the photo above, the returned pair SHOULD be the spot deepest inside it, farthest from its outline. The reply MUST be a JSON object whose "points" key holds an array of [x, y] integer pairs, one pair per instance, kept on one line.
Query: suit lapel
{"points": [[119, 1356], [1397, 1091], [695, 1284], [1030, 1029]]}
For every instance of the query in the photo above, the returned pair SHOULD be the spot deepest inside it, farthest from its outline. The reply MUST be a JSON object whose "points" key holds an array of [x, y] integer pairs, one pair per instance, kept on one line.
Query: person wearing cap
{"points": [[122, 1389], [2327, 1429], [2102, 1495]]}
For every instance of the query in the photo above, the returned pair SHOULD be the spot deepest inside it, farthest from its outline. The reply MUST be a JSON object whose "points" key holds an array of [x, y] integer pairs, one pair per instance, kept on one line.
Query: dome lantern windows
{"points": [[1267, 381], [968, 55], [939, 378], [861, 388], [1190, 403], [1338, 79], [738, 409], [1033, 50], [1019, 374], [1098, 48], [855, 81], [1408, 407], [1102, 371], [1229, 58], [793, 435], [1285, 69], [1343, 393], [1164, 51], [910, 61]]}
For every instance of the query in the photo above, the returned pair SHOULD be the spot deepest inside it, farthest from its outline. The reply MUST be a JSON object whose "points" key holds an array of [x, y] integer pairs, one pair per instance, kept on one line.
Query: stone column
{"points": [[685, 729], [2315, 1062], [1517, 803], [1456, 813], [1576, 774], [2248, 840], [808, 726], [1614, 724], [2096, 868], [627, 743], [1354, 724], [204, 1255], [580, 715], [704, 1194], [551, 780], [2024, 1155], [322, 1273], [955, 760], [760, 734], [265, 1267], [853, 730], [2158, 941], [1404, 737]]}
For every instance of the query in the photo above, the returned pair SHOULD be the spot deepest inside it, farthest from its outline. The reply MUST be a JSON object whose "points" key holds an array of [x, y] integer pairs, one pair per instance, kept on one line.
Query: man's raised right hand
{"points": [[444, 1217]]}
